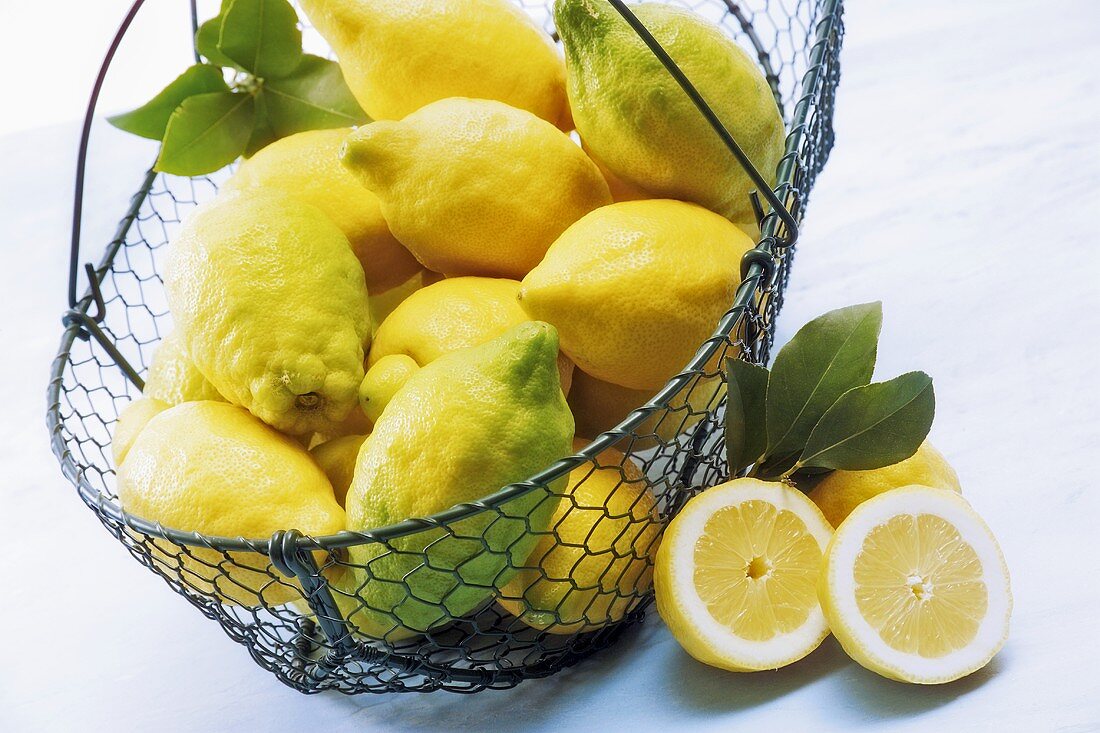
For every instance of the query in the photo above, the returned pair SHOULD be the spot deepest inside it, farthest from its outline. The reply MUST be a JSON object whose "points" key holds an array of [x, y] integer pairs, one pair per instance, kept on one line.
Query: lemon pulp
{"points": [[756, 569], [919, 584]]}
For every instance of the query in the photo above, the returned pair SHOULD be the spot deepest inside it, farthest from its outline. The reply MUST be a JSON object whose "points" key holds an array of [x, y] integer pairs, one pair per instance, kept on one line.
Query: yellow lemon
{"points": [[462, 427], [598, 561], [272, 307], [382, 381], [475, 187], [173, 378], [211, 467], [131, 421], [915, 586], [453, 314], [839, 492], [737, 572], [635, 288], [381, 306], [336, 458], [637, 120], [599, 406], [307, 166], [399, 55]]}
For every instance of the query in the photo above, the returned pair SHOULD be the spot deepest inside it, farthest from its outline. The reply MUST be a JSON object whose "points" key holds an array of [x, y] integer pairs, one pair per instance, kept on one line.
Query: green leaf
{"points": [[206, 133], [828, 356], [206, 43], [261, 36], [151, 119], [873, 426], [262, 132], [314, 97], [746, 436]]}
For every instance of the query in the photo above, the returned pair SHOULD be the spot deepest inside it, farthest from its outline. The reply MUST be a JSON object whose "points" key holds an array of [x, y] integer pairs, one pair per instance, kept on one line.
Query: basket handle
{"points": [[77, 313]]}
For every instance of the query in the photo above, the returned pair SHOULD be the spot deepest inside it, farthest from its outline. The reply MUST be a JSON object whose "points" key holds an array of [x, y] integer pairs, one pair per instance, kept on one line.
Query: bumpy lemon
{"points": [[637, 120], [737, 573], [272, 307], [839, 492], [173, 378], [211, 467], [453, 314], [915, 587], [475, 187], [382, 381], [636, 287], [462, 427], [131, 421], [399, 55], [598, 561], [307, 166], [336, 458]]}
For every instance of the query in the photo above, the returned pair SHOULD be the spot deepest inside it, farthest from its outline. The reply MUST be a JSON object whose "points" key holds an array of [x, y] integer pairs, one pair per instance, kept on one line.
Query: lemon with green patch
{"points": [[461, 428]]}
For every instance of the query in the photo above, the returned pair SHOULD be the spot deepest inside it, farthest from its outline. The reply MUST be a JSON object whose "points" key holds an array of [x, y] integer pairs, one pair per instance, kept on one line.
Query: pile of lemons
{"points": [[379, 323]]}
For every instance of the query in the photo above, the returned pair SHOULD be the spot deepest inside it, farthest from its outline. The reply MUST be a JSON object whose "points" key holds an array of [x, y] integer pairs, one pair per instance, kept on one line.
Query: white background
{"points": [[964, 192]]}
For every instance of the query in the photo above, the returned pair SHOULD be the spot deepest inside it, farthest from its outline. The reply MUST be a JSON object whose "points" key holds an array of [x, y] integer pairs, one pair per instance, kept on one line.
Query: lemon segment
{"points": [[737, 572], [915, 587]]}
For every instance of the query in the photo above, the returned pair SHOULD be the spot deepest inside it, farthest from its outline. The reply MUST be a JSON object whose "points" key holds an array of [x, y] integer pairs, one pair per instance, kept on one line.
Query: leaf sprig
{"points": [[817, 410], [204, 122]]}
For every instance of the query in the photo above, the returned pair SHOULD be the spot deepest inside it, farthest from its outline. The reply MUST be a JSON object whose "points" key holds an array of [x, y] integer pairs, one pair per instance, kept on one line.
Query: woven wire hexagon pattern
{"points": [[334, 613]]}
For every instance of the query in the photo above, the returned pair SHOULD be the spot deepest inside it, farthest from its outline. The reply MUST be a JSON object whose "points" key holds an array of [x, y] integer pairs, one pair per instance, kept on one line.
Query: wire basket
{"points": [[278, 596]]}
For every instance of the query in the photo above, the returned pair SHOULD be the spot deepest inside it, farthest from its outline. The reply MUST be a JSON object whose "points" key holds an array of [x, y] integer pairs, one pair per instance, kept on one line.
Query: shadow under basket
{"points": [[280, 596]]}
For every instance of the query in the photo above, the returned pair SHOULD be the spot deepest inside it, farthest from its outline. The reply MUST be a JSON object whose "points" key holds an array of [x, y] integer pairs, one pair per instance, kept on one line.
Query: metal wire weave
{"points": [[278, 597]]}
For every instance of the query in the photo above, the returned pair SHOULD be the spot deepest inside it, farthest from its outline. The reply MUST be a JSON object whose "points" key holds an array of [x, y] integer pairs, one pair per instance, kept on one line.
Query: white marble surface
{"points": [[964, 192]]}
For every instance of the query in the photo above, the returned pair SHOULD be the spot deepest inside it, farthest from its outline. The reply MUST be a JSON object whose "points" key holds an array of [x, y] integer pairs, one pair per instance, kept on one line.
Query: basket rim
{"points": [[755, 279]]}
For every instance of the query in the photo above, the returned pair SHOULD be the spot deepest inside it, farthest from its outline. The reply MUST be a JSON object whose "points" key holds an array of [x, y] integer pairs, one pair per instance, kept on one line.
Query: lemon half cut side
{"points": [[915, 587], [737, 574]]}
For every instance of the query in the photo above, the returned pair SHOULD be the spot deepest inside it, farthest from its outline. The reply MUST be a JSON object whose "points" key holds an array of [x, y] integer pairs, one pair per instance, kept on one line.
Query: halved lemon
{"points": [[736, 575], [915, 587]]}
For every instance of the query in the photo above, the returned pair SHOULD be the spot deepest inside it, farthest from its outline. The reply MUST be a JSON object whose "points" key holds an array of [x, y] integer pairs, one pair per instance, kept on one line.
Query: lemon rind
{"points": [[861, 641]]}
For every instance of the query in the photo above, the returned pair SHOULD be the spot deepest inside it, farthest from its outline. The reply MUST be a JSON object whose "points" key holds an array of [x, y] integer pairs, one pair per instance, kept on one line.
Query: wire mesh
{"points": [[445, 602]]}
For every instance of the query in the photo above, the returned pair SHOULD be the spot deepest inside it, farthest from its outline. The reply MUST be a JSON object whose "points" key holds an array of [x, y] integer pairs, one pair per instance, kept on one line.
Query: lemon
{"points": [[475, 187], [623, 191], [915, 587], [462, 427], [839, 492], [453, 314], [272, 306], [635, 288], [173, 378], [620, 189], [131, 421], [399, 55], [636, 119], [382, 381], [382, 305], [211, 467], [336, 458], [307, 166], [737, 572], [598, 561], [599, 406]]}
